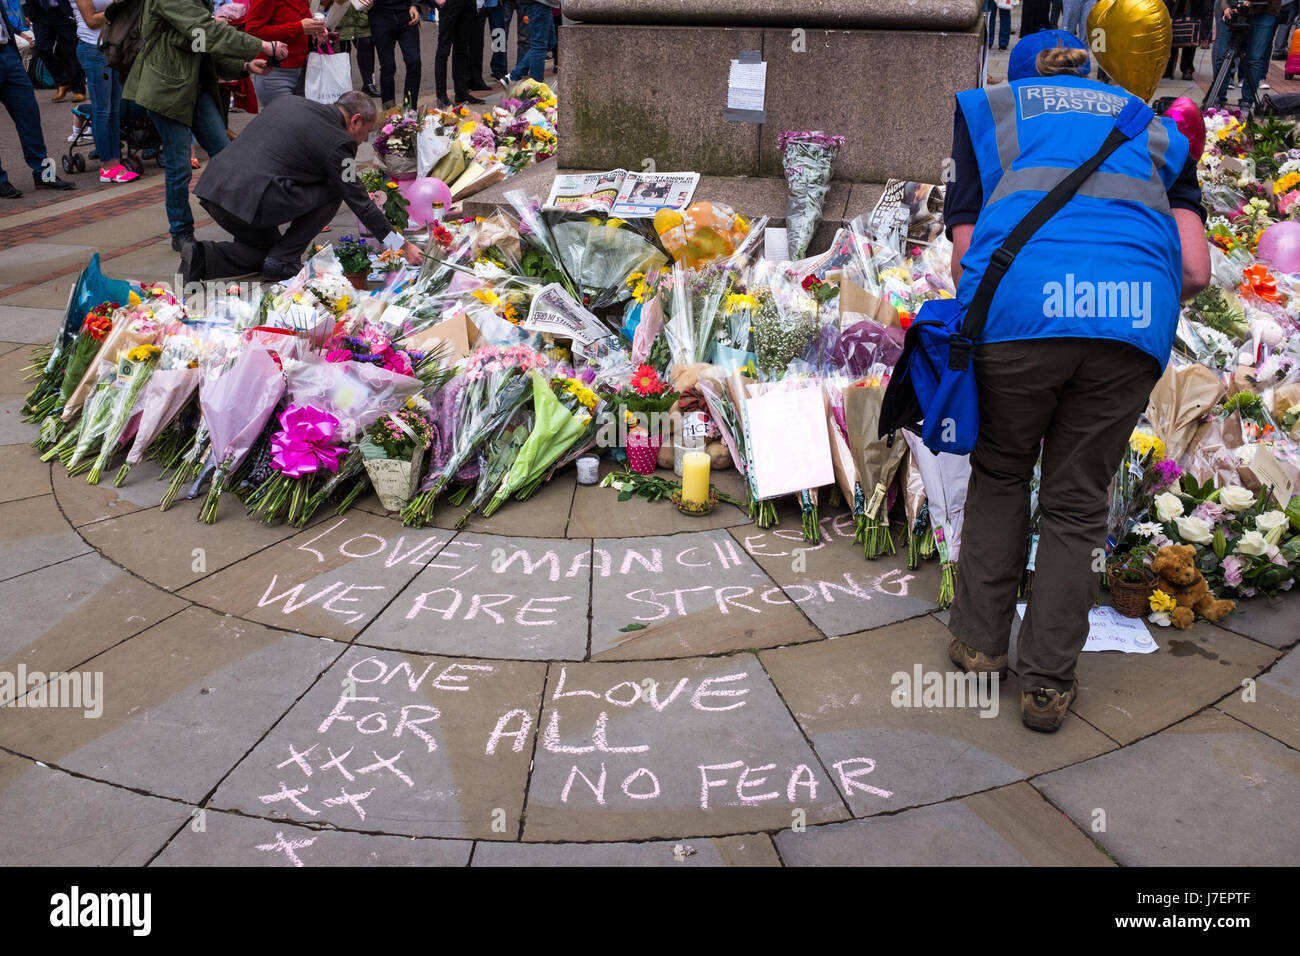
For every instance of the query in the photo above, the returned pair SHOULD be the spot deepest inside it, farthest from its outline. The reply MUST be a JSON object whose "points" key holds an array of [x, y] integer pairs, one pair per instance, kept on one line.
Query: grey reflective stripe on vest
{"points": [[1002, 103], [1099, 186]]}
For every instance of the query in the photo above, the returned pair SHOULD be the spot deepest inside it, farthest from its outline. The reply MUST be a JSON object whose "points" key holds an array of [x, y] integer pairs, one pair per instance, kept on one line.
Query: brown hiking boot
{"points": [[977, 662], [1043, 709]]}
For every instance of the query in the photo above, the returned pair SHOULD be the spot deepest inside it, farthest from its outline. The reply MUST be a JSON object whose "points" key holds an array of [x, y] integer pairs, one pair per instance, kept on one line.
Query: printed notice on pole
{"points": [[746, 88]]}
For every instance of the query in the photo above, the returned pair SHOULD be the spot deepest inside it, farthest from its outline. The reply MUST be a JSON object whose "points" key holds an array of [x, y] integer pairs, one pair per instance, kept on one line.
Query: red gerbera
{"points": [[646, 381]]}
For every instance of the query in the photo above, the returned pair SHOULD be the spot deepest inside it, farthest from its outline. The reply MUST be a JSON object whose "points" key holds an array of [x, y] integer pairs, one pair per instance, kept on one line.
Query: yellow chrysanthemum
{"points": [[1144, 442], [1161, 602], [486, 296], [143, 353], [1286, 183], [736, 301]]}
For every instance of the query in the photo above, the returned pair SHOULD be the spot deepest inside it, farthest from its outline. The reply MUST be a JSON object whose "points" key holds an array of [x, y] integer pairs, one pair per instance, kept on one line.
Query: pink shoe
{"points": [[117, 174]]}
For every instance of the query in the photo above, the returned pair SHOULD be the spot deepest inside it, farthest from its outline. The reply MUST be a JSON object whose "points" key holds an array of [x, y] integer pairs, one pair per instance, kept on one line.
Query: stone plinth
{"points": [[640, 94], [892, 14]]}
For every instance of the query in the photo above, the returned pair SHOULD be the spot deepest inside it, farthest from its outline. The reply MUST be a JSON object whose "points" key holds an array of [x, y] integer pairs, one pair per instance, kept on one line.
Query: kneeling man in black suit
{"points": [[294, 164]]}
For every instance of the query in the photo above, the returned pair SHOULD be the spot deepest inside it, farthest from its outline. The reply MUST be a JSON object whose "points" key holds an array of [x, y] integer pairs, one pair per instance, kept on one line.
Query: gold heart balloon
{"points": [[1131, 39]]}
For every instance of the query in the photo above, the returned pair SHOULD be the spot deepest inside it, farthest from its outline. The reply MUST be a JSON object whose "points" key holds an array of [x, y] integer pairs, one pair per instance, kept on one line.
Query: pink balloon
{"points": [[1279, 247], [1187, 115], [429, 199]]}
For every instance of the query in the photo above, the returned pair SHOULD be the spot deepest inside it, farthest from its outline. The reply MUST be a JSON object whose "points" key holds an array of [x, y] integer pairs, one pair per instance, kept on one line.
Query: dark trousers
{"points": [[365, 48], [476, 31], [1186, 54], [20, 102], [498, 35], [1034, 16], [388, 29], [514, 9], [254, 244], [1075, 401], [456, 23], [56, 43], [1285, 24]]}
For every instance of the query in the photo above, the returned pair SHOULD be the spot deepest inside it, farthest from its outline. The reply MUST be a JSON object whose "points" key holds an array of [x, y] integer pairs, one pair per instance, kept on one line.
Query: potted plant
{"points": [[390, 261], [643, 405], [354, 259], [1131, 581]]}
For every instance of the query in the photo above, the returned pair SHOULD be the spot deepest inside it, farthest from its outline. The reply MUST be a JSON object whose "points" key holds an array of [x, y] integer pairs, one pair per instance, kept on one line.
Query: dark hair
{"points": [[1059, 60]]}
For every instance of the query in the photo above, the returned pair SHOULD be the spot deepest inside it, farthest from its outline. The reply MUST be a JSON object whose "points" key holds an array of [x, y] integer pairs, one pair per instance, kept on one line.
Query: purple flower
{"points": [[1164, 474], [1233, 566], [1209, 512]]}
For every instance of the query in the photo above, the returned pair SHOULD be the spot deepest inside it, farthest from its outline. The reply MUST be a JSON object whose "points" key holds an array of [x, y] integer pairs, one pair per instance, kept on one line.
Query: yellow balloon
{"points": [[1131, 39]]}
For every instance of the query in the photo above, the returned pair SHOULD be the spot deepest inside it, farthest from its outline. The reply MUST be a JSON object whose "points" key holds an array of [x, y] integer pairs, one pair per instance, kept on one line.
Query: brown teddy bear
{"points": [[1177, 576]]}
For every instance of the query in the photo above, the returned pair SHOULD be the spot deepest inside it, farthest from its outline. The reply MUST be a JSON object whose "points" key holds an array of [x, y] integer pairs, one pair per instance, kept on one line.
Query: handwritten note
{"points": [[747, 88], [1108, 630]]}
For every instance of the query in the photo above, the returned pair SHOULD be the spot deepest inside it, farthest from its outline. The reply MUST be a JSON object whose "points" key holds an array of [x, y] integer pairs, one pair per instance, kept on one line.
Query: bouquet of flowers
{"points": [[306, 444], [385, 193], [169, 388], [496, 384], [394, 450], [806, 158], [94, 329], [395, 142], [133, 372]]}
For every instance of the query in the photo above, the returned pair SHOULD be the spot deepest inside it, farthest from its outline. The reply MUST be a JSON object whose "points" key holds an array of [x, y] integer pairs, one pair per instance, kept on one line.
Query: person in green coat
{"points": [[354, 33], [185, 52]]}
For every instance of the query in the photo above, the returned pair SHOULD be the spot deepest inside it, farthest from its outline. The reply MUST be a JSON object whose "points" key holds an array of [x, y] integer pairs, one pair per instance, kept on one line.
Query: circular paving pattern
{"points": [[554, 685]]}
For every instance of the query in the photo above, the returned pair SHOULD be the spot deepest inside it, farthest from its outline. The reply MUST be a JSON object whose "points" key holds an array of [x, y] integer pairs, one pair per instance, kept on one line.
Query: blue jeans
{"points": [[105, 88], [209, 129], [497, 20], [1254, 57], [1003, 18], [20, 101], [1074, 19], [541, 37]]}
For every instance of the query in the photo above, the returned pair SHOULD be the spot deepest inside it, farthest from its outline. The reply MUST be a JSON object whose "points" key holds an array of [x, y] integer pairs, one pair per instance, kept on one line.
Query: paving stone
{"points": [[597, 512], [331, 579], [1010, 826], [13, 372], [182, 702], [666, 748], [83, 504], [51, 818], [25, 475], [485, 596], [751, 850], [20, 263], [1275, 622], [13, 430], [1116, 690], [1276, 707], [51, 294], [33, 534], [28, 325], [173, 548], [444, 776], [230, 840], [86, 605], [545, 515], [843, 694], [1128, 696], [696, 593], [833, 583], [1210, 791]]}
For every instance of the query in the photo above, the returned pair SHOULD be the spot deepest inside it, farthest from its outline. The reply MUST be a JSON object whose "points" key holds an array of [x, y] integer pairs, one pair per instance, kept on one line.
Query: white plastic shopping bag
{"points": [[329, 76]]}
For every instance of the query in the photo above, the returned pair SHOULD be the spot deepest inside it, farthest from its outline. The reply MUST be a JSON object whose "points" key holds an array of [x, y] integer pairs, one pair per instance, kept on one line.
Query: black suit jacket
{"points": [[294, 157]]}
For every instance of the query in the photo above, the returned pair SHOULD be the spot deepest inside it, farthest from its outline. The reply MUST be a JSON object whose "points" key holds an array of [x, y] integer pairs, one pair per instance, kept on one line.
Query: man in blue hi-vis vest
{"points": [[1078, 332]]}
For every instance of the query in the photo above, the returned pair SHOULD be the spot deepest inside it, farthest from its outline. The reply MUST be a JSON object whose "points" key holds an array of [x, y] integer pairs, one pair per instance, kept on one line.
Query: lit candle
{"points": [[695, 478]]}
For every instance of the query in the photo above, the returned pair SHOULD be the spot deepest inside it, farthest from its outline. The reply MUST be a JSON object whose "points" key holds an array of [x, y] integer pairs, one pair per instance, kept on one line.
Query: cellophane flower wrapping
{"points": [[555, 428], [236, 407], [806, 158], [945, 478], [172, 384]]}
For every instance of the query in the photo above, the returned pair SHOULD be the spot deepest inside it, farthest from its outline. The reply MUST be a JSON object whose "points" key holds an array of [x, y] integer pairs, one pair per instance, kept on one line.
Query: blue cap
{"points": [[1024, 53]]}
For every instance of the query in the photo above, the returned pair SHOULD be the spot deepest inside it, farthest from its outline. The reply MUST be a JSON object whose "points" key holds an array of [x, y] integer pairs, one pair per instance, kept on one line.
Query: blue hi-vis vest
{"points": [[1109, 264]]}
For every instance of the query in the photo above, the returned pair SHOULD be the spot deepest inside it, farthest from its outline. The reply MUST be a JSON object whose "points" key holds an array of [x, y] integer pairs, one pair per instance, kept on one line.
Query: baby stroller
{"points": [[140, 139]]}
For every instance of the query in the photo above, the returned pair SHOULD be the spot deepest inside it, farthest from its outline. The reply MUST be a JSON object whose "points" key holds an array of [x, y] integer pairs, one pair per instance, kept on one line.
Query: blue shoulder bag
{"points": [[932, 391]]}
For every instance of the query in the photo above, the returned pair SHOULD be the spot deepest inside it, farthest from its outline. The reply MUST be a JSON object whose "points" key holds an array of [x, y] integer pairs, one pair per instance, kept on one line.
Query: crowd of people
{"points": [[252, 53]]}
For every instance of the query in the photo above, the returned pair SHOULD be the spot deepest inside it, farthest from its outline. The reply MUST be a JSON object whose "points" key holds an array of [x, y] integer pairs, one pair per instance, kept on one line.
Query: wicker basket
{"points": [[1130, 598]]}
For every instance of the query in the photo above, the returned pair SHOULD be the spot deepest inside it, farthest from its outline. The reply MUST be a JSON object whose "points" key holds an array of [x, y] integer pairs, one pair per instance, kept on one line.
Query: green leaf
{"points": [[633, 627], [625, 495]]}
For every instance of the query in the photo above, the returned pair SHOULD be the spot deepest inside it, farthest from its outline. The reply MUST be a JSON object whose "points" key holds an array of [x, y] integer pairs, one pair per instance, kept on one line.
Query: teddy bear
{"points": [[1177, 576]]}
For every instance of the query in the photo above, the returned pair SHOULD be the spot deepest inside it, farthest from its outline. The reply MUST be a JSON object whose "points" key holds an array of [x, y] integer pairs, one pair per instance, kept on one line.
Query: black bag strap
{"points": [[1133, 119]]}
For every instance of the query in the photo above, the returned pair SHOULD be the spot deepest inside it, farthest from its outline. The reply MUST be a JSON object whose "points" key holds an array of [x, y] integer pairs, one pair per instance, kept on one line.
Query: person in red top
{"points": [[291, 22]]}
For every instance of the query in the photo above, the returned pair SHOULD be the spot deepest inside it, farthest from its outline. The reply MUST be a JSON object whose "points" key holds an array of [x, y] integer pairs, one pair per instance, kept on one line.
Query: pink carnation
{"points": [[339, 355]]}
